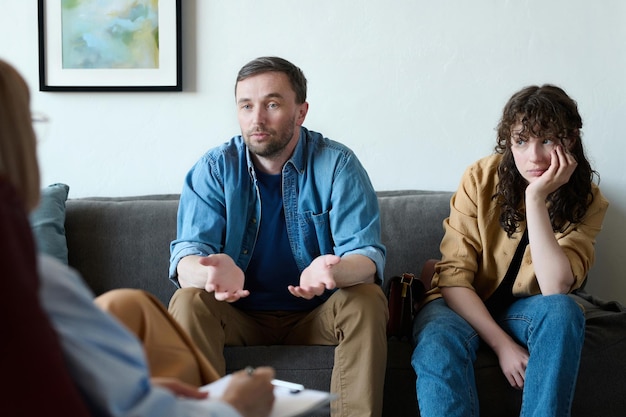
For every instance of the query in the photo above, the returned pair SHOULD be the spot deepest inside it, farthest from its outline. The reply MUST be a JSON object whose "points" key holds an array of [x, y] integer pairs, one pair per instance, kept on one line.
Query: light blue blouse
{"points": [[105, 360]]}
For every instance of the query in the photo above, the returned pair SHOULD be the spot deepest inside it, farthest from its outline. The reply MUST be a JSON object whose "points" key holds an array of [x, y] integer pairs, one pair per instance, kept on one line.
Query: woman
{"points": [[31, 355], [537, 186], [56, 339]]}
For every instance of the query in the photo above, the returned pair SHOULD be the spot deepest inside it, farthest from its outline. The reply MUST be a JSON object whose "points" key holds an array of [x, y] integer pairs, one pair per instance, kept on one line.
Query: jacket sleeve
{"points": [[461, 244], [578, 243], [355, 215]]}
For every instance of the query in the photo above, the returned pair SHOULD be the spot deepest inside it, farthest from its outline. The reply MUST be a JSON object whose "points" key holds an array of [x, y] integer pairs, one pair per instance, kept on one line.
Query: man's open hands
{"points": [[224, 278], [316, 278], [219, 274]]}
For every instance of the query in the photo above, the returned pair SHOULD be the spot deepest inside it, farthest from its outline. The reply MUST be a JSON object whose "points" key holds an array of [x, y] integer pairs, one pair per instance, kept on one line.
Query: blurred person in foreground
{"points": [[82, 360], [30, 354]]}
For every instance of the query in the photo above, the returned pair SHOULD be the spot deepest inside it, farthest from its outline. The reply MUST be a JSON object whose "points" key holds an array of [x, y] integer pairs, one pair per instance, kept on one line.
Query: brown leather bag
{"points": [[403, 292]]}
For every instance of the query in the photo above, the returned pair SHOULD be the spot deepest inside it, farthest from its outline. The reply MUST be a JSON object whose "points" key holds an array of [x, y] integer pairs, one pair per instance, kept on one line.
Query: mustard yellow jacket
{"points": [[476, 252]]}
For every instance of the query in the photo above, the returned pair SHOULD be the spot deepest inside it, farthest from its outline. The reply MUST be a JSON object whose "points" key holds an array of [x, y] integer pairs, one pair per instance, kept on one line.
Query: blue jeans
{"points": [[552, 328]]}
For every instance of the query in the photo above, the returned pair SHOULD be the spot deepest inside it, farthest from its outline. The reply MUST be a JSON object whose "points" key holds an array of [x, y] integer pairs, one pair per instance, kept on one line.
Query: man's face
{"points": [[268, 114]]}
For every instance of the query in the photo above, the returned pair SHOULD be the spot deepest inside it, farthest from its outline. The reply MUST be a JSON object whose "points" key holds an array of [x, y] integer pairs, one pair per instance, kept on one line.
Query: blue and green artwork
{"points": [[110, 34]]}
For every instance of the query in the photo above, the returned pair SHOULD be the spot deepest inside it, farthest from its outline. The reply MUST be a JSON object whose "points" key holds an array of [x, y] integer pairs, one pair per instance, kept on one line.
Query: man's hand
{"points": [[179, 388], [224, 278], [317, 277], [252, 394]]}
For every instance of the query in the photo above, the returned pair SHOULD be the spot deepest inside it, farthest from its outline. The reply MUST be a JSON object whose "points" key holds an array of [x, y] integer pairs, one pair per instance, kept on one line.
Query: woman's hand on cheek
{"points": [[566, 165], [562, 166]]}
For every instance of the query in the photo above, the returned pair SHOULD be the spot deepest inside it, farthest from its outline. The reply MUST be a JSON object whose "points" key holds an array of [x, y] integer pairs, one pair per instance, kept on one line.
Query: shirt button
{"points": [[253, 220], [245, 251]]}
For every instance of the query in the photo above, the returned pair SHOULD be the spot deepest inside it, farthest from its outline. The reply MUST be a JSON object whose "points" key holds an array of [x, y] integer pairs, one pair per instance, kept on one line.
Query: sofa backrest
{"points": [[412, 227], [124, 241]]}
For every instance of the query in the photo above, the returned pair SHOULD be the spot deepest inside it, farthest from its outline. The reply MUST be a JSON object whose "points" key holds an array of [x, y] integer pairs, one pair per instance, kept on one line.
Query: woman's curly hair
{"points": [[545, 112]]}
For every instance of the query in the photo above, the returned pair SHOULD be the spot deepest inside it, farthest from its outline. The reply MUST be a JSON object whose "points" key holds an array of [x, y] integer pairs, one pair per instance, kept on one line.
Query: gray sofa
{"points": [[124, 242]]}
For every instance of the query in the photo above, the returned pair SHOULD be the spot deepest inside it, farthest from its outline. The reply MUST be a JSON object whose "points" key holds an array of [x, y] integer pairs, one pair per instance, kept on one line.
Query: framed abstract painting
{"points": [[115, 45]]}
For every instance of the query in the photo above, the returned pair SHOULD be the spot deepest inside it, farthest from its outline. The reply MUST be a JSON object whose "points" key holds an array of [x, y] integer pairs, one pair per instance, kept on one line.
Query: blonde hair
{"points": [[18, 153]]}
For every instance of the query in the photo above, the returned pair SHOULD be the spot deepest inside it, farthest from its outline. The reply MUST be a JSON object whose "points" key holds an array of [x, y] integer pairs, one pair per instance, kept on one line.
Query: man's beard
{"points": [[274, 145]]}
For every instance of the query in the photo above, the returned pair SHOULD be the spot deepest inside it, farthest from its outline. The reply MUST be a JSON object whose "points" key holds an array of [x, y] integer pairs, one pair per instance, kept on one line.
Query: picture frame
{"points": [[94, 46]]}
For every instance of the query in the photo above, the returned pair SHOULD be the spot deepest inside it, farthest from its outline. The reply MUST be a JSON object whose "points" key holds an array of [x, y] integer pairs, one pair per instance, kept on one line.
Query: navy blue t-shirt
{"points": [[272, 267]]}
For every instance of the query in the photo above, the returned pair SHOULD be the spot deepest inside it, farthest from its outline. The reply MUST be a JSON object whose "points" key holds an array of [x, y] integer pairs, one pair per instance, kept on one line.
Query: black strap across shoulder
{"points": [[503, 295]]}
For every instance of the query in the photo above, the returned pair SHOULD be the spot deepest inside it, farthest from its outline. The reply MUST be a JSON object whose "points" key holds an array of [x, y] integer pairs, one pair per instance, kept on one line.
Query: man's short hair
{"points": [[275, 64]]}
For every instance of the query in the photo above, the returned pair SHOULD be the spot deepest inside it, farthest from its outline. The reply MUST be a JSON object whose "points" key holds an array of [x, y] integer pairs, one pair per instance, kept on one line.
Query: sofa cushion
{"points": [[600, 385], [123, 242], [48, 222], [313, 366]]}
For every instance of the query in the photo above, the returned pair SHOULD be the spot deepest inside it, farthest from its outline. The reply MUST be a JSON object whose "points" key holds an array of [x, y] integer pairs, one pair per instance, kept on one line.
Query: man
{"points": [[279, 241]]}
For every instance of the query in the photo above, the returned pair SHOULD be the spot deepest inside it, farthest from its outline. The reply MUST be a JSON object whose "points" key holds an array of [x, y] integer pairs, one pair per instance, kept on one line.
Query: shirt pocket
{"points": [[315, 229]]}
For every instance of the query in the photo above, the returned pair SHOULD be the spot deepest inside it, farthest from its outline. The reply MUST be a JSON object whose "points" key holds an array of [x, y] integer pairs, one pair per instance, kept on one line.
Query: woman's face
{"points": [[531, 153]]}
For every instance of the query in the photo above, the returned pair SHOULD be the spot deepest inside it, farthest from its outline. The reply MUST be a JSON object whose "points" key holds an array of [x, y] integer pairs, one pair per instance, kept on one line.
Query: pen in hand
{"points": [[292, 387]]}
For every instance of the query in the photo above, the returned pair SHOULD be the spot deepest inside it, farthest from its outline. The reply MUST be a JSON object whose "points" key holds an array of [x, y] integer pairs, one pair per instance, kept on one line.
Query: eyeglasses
{"points": [[38, 118], [41, 123]]}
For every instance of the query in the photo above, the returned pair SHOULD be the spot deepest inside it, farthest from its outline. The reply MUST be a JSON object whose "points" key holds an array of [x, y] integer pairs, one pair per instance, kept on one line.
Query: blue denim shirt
{"points": [[329, 202]]}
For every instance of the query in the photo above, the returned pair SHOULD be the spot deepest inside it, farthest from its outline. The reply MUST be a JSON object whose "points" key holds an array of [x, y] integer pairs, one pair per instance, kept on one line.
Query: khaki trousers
{"points": [[170, 352], [353, 319]]}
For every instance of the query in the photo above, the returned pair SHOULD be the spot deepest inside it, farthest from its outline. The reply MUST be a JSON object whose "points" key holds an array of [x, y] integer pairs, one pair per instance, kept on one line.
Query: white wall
{"points": [[414, 87]]}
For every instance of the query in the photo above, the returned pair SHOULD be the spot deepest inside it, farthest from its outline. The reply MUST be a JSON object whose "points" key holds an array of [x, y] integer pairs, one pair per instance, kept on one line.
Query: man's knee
{"points": [[363, 302], [188, 299], [195, 305], [363, 293]]}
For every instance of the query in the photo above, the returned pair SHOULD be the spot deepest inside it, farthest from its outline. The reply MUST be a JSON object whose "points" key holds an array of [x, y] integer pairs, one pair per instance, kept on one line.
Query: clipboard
{"points": [[288, 402]]}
